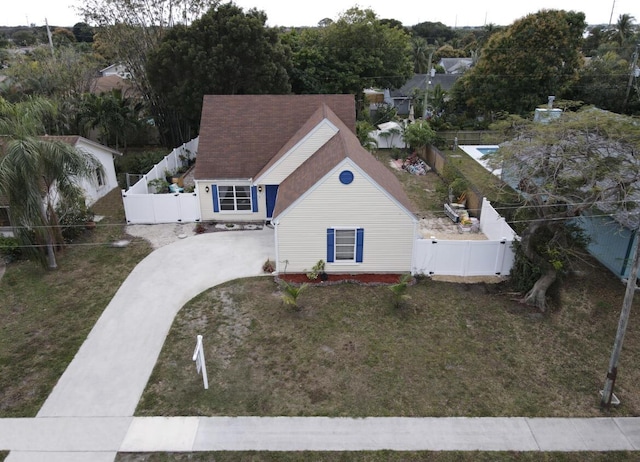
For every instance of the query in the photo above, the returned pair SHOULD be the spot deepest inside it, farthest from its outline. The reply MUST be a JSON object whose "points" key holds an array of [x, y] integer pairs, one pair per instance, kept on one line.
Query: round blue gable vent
{"points": [[346, 177]]}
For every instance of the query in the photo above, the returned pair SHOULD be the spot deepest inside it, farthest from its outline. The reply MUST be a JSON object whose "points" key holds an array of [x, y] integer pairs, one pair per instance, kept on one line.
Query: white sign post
{"points": [[198, 357]]}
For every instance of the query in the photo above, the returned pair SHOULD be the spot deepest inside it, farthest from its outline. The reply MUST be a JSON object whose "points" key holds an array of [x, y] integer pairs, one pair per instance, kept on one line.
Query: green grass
{"points": [[423, 190], [46, 315], [452, 350], [489, 185], [380, 456]]}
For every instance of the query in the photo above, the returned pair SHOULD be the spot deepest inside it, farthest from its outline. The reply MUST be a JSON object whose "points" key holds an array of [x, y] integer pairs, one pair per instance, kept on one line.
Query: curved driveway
{"points": [[108, 374]]}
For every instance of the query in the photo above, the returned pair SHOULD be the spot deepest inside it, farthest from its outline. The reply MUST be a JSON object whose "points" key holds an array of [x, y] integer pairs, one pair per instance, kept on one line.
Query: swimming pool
{"points": [[478, 152], [486, 151]]}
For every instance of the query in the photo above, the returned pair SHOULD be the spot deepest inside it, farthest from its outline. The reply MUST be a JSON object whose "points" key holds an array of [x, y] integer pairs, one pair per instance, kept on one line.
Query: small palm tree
{"points": [[290, 293], [36, 174], [399, 290]]}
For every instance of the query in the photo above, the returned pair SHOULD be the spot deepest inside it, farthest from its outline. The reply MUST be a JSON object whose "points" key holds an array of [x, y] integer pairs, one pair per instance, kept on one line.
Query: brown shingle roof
{"points": [[112, 82], [343, 145], [241, 134]]}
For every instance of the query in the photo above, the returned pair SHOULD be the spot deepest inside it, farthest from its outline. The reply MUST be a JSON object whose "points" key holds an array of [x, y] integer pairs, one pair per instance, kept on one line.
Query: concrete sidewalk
{"points": [[100, 439]]}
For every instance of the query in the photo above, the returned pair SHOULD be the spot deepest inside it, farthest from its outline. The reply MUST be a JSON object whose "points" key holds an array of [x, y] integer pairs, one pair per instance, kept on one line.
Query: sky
{"points": [[453, 13]]}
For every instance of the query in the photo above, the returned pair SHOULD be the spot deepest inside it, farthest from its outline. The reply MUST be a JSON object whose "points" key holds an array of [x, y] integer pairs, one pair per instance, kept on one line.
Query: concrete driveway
{"points": [[108, 374]]}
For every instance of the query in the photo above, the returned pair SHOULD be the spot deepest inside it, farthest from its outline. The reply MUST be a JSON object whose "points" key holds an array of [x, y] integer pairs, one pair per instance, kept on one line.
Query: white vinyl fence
{"points": [[141, 206], [493, 257]]}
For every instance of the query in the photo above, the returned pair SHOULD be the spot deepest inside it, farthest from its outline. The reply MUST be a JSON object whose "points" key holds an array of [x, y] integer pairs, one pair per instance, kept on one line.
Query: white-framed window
{"points": [[234, 198], [345, 245]]}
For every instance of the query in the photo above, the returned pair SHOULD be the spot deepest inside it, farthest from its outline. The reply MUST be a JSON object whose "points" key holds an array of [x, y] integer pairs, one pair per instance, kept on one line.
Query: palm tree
{"points": [[36, 174], [420, 55], [112, 114], [624, 29]]}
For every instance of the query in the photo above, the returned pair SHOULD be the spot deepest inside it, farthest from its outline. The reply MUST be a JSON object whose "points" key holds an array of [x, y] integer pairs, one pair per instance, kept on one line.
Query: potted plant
{"points": [[159, 185]]}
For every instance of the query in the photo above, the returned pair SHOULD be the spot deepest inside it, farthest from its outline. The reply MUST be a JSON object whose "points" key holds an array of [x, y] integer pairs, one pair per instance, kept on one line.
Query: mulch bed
{"points": [[369, 278]]}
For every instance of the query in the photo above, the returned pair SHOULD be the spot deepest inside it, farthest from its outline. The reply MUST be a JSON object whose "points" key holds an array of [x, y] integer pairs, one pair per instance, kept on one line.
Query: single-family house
{"points": [[455, 65], [402, 98], [294, 161], [103, 182], [115, 69]]}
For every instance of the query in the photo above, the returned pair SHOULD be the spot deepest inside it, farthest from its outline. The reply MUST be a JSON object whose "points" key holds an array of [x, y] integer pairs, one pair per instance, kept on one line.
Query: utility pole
{"points": [[612, 7], [426, 93], [53, 55], [607, 392], [632, 74]]}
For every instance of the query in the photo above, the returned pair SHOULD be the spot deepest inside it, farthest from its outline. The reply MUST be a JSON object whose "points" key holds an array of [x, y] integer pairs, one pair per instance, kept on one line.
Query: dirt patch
{"points": [[445, 229]]}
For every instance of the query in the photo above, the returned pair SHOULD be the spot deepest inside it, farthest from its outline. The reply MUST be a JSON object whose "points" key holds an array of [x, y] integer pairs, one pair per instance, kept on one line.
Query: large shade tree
{"points": [[227, 51], [128, 31], [355, 52], [537, 56], [583, 162], [36, 174]]}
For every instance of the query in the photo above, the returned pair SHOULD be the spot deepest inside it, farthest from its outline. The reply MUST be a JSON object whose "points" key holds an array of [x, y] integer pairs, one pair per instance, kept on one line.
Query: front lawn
{"points": [[46, 315], [451, 350]]}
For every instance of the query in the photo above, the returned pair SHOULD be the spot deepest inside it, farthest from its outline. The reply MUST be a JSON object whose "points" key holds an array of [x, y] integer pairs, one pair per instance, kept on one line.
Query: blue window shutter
{"points": [[330, 244], [359, 244], [214, 193], [254, 199]]}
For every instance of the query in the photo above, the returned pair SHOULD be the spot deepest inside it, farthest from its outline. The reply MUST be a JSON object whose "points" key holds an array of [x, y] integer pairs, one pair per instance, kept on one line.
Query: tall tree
{"points": [[603, 83], [624, 29], [537, 56], [112, 114], [435, 33], [355, 52], [83, 32], [68, 72], [129, 30], [421, 55], [584, 161], [36, 173], [227, 51]]}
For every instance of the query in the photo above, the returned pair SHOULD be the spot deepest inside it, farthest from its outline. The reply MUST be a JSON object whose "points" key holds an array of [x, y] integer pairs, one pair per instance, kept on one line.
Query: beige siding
{"points": [[323, 132], [206, 204], [389, 232]]}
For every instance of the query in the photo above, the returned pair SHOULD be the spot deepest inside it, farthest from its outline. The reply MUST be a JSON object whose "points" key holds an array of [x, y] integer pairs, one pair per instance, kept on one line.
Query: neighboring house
{"points": [[103, 182], [114, 77], [419, 83], [109, 83], [294, 160], [455, 65], [115, 69], [389, 135]]}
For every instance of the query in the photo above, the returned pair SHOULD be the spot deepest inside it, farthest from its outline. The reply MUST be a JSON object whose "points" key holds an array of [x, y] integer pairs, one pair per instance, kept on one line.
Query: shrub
{"points": [[72, 216], [10, 249]]}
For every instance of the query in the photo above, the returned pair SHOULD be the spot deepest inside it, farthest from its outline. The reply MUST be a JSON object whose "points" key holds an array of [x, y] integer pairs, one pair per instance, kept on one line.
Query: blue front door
{"points": [[271, 191]]}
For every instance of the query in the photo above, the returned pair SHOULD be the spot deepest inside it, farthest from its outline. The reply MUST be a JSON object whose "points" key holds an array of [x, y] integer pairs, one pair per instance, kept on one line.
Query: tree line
{"points": [[177, 51]]}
